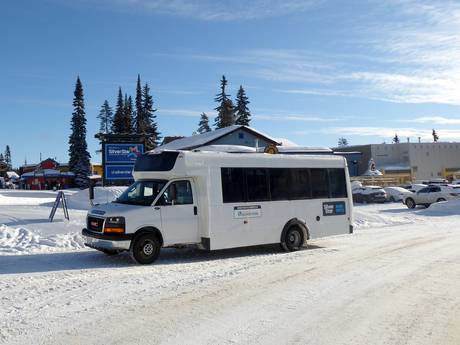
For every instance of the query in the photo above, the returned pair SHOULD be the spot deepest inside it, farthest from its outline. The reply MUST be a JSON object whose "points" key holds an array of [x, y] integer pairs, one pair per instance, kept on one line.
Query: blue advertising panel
{"points": [[123, 153], [119, 172]]}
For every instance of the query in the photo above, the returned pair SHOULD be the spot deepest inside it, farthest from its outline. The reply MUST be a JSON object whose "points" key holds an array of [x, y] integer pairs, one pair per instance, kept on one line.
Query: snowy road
{"points": [[393, 284]]}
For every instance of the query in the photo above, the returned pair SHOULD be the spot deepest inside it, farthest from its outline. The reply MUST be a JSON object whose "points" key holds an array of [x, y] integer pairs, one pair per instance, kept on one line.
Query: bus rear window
{"points": [[163, 161]]}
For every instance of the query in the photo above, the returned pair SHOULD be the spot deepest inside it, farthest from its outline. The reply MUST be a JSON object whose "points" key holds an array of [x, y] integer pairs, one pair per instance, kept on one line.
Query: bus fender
{"points": [[300, 224], [148, 230]]}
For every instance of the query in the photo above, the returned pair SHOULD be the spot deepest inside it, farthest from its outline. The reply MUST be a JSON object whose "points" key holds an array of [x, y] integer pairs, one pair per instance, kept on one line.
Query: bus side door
{"points": [[179, 213]]}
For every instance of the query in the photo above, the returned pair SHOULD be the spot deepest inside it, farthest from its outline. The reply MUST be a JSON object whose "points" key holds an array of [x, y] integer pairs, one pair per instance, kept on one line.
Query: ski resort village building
{"points": [[409, 161]]}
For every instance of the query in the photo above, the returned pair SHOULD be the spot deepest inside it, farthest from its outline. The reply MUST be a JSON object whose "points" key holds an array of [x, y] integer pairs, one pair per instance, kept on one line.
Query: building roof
{"points": [[189, 143]]}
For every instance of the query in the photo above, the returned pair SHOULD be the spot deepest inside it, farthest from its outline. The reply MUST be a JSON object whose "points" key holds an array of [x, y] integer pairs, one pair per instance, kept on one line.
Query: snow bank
{"points": [[445, 208], [80, 199], [381, 215], [21, 241]]}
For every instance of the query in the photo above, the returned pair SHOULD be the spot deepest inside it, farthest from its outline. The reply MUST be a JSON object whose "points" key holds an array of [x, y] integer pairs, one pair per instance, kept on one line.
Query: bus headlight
{"points": [[115, 225]]}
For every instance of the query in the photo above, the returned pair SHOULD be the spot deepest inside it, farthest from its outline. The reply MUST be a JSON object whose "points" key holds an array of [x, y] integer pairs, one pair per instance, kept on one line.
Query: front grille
{"points": [[95, 224]]}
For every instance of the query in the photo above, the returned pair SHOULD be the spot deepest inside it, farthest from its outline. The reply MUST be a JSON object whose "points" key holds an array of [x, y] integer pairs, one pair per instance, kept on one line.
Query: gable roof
{"points": [[189, 143]]}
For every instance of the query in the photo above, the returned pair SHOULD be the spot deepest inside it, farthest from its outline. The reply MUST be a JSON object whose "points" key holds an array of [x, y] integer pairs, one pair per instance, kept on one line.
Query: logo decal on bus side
{"points": [[247, 211], [336, 208]]}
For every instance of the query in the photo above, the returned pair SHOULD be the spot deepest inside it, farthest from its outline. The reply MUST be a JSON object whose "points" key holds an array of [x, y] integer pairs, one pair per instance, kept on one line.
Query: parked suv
{"points": [[431, 194]]}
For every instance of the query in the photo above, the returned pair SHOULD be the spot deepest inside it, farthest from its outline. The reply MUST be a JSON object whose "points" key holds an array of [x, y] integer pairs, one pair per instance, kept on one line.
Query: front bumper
{"points": [[101, 241]]}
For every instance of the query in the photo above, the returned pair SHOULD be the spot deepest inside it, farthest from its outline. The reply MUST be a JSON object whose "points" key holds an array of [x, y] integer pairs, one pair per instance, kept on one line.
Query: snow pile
{"points": [[445, 208], [379, 216], [80, 199], [21, 240]]}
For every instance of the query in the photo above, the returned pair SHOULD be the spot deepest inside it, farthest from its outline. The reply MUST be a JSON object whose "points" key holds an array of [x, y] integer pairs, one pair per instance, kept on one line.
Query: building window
{"points": [[240, 135]]}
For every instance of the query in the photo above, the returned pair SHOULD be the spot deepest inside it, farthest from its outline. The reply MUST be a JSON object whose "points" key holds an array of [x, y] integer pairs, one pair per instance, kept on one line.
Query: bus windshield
{"points": [[141, 193]]}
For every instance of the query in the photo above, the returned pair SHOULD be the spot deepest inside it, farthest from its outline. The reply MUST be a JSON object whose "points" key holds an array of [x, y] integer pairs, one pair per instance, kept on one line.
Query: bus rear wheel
{"points": [[145, 249], [293, 239]]}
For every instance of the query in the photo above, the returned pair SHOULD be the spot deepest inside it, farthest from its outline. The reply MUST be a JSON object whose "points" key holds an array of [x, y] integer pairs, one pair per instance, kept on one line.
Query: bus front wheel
{"points": [[145, 249], [293, 239]]}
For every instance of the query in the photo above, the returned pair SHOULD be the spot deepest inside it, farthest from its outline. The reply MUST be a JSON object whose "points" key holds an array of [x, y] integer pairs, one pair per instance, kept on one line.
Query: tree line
{"points": [[138, 117], [130, 117]]}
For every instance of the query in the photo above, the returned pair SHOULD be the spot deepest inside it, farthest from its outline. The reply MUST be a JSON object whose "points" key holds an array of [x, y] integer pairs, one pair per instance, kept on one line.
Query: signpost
{"points": [[119, 154], [60, 197]]}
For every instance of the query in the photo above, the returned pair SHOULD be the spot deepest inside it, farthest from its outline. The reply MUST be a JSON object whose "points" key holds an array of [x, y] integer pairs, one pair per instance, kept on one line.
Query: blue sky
{"points": [[314, 70]]}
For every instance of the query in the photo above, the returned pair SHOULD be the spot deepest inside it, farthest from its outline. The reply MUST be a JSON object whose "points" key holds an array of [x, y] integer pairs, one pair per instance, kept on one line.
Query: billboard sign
{"points": [[119, 172], [123, 153]]}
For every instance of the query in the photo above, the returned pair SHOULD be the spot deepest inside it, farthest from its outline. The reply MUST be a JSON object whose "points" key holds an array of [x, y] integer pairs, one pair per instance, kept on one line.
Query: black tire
{"points": [[145, 249], [410, 203], [293, 239], [440, 199]]}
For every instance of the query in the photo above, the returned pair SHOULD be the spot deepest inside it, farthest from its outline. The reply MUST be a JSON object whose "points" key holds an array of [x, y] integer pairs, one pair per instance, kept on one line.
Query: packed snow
{"points": [[24, 224], [394, 281]]}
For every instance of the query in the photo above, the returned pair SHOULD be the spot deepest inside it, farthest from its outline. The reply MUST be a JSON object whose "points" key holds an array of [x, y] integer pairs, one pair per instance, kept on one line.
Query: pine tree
{"points": [[2, 159], [7, 158], [118, 119], [225, 110], [148, 125], [79, 162], [342, 142], [242, 113], [106, 117], [435, 136], [139, 116], [128, 114], [203, 125], [396, 139]]}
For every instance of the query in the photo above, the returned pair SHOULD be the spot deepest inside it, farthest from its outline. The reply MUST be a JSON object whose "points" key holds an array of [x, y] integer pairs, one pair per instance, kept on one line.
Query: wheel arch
{"points": [[149, 230], [296, 222]]}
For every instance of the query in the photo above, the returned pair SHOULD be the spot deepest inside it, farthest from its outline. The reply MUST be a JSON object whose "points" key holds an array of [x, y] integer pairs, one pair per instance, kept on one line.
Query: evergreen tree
{"points": [[79, 162], [203, 125], [139, 116], [435, 136], [128, 114], [2, 159], [396, 139], [342, 142], [148, 125], [225, 110], [242, 113], [118, 119], [106, 117], [8, 157]]}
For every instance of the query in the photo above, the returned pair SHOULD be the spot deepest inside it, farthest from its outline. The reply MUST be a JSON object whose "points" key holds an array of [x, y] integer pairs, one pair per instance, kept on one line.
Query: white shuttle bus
{"points": [[223, 200]]}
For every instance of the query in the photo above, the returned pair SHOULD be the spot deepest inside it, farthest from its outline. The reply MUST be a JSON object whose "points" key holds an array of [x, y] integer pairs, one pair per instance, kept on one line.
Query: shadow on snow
{"points": [[81, 260]]}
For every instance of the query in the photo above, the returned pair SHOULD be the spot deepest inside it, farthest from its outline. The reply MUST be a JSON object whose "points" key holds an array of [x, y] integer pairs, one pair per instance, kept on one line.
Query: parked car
{"points": [[431, 194], [414, 187], [368, 194], [396, 193]]}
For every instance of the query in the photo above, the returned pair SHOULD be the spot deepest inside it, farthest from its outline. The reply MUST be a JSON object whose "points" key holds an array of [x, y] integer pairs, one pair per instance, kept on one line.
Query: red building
{"points": [[49, 174]]}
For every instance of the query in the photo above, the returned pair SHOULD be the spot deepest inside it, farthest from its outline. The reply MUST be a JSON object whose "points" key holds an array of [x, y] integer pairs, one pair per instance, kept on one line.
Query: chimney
{"points": [[419, 139], [408, 139]]}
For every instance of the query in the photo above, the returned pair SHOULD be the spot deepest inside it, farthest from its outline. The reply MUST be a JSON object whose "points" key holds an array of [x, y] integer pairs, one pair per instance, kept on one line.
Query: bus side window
{"points": [[233, 185], [337, 183], [257, 184], [319, 183], [177, 193]]}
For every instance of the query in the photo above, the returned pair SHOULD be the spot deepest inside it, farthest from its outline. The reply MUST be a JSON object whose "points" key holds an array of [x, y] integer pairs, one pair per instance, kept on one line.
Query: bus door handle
{"points": [[195, 210], [156, 208]]}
